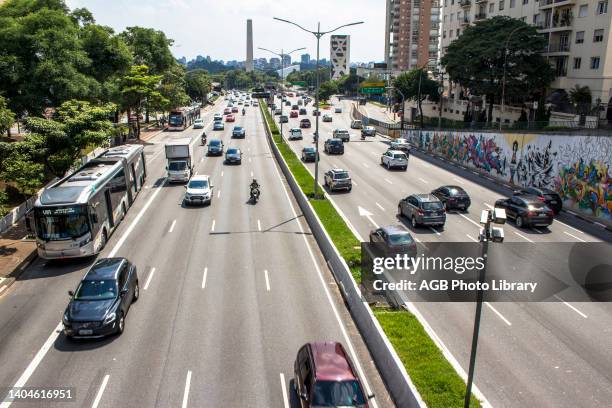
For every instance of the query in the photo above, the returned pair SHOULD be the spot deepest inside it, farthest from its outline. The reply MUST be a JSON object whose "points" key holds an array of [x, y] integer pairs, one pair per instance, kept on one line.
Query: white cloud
{"points": [[218, 28]]}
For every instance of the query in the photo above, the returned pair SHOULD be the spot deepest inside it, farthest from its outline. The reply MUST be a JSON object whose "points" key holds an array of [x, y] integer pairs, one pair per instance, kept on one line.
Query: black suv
{"points": [[526, 210], [305, 123], [334, 146], [101, 301], [550, 197], [453, 197], [422, 209]]}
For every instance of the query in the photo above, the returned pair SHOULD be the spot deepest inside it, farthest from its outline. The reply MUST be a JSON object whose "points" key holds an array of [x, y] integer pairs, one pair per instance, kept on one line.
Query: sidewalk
{"points": [[16, 253]]}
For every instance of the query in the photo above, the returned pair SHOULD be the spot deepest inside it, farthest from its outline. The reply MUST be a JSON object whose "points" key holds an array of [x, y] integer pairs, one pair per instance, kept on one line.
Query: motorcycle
{"points": [[203, 139], [243, 112], [255, 194], [363, 137]]}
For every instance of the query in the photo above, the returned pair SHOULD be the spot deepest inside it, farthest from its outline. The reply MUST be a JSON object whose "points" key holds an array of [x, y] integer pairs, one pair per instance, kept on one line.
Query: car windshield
{"points": [[342, 131], [400, 239], [400, 156], [237, 129], [341, 176], [214, 143], [432, 205], [96, 290], [177, 166], [61, 222], [232, 151], [198, 184], [309, 150], [337, 394]]}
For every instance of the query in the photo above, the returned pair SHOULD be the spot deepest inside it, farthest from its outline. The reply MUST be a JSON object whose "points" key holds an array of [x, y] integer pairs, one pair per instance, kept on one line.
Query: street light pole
{"points": [[282, 57], [318, 34]]}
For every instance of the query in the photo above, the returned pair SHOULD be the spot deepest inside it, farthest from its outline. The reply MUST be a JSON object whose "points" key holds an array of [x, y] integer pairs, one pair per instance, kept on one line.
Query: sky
{"points": [[218, 28]]}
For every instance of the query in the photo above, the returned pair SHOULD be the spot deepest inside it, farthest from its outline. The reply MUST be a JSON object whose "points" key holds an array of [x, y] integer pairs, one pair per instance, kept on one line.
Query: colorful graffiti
{"points": [[578, 167]]}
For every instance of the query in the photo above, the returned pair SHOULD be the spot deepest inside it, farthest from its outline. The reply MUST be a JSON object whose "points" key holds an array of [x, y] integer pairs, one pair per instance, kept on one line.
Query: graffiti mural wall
{"points": [[578, 167]]}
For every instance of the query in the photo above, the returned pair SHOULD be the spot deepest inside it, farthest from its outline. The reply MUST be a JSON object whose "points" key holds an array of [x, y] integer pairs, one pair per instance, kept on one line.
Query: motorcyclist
{"points": [[203, 138], [243, 111], [255, 189]]}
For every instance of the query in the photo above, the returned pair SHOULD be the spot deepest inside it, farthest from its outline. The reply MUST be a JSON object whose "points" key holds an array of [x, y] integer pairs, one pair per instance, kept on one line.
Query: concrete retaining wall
{"points": [[399, 384]]}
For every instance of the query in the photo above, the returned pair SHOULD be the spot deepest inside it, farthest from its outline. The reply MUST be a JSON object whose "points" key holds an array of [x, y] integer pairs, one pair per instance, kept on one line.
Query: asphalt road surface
{"points": [[554, 354], [229, 292]]}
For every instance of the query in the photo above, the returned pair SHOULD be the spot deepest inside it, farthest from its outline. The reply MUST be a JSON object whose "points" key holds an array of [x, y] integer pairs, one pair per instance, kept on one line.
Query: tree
{"points": [[141, 91], [198, 84], [581, 99], [150, 47], [172, 90], [7, 118], [350, 84], [327, 89], [416, 86], [476, 60]]}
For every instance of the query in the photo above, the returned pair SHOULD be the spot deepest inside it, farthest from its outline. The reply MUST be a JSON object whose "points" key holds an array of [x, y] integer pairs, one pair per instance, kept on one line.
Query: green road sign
{"points": [[373, 90], [299, 83]]}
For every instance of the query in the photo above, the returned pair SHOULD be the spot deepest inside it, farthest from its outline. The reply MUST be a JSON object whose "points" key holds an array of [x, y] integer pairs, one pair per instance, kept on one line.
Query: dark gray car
{"points": [[422, 209]]}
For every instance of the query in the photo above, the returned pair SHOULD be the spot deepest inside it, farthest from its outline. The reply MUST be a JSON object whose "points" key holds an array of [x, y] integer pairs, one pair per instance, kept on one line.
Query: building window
{"points": [[535, 18], [512, 3], [445, 18], [444, 34], [445, 3], [524, 19], [450, 33], [501, 5], [451, 17], [583, 10], [452, 2], [594, 62], [598, 35], [491, 7], [525, 1], [602, 7], [458, 32], [458, 15], [579, 37], [577, 63]]}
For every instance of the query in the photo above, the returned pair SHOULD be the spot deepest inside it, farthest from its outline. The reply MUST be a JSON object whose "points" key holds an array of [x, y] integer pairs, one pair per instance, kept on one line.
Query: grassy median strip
{"points": [[438, 383]]}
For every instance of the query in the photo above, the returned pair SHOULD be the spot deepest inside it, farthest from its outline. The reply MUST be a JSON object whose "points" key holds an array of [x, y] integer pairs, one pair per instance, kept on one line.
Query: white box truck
{"points": [[179, 164]]}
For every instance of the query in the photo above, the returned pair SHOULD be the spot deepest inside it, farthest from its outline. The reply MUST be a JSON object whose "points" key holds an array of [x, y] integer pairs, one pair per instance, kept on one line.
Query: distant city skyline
{"points": [[207, 27]]}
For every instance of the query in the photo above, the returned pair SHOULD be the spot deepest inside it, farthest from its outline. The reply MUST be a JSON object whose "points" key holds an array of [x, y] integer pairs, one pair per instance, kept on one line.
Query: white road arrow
{"points": [[365, 213]]}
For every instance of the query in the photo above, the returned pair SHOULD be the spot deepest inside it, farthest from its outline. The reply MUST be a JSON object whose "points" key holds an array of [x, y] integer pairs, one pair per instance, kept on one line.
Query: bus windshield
{"points": [[58, 223], [175, 119]]}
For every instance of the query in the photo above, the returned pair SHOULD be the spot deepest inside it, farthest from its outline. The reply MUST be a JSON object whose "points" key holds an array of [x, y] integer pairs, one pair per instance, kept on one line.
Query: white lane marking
{"points": [[571, 212], [570, 306], [146, 286], [187, 386], [195, 173], [489, 205], [221, 173], [435, 230], [599, 224], [524, 237], [284, 390], [573, 236], [172, 226], [388, 181], [100, 391], [219, 194], [536, 230], [35, 361], [204, 277], [380, 206], [475, 172], [259, 225], [423, 180], [354, 183], [267, 280], [365, 213], [135, 222], [366, 165], [569, 226], [470, 220], [471, 237], [345, 335], [251, 174], [212, 227], [458, 180], [501, 316]]}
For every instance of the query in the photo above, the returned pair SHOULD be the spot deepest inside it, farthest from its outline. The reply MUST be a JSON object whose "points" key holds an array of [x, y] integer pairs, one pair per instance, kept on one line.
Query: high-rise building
{"points": [[305, 59], [249, 45], [275, 63], [411, 34], [286, 60], [339, 49], [578, 36]]}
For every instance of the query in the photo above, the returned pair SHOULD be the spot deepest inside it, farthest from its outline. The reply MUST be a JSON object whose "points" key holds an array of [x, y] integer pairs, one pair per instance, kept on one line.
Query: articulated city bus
{"points": [[182, 118], [75, 216]]}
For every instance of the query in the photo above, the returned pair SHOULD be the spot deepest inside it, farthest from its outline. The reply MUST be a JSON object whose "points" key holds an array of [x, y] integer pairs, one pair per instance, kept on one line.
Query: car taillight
{"points": [[541, 198], [531, 213], [421, 212]]}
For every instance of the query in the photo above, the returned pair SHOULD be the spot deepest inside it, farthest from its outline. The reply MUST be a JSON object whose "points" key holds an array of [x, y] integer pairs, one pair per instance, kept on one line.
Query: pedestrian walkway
{"points": [[16, 252]]}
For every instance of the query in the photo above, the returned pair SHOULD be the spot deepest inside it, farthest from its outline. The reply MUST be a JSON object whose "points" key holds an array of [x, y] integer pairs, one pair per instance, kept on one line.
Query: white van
{"points": [[356, 124]]}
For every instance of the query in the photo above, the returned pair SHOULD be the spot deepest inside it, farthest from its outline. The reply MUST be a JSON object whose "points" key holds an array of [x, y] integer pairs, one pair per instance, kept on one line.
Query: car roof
{"points": [[199, 177], [394, 229], [334, 139], [309, 148], [529, 198], [331, 362], [338, 170], [426, 197], [395, 152], [105, 268]]}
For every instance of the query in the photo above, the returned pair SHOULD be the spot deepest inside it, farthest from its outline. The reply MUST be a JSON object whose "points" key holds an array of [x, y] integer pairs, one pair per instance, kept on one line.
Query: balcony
{"points": [[558, 48], [547, 4], [561, 21], [465, 3], [480, 16], [465, 20], [481, 1]]}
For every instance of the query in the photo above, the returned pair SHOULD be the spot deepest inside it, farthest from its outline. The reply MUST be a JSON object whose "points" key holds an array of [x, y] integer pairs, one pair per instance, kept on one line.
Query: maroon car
{"points": [[326, 377], [305, 123]]}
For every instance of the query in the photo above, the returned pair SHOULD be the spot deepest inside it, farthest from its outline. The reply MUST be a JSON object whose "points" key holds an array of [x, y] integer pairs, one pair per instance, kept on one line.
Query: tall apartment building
{"points": [[305, 58], [578, 33], [339, 49], [412, 34]]}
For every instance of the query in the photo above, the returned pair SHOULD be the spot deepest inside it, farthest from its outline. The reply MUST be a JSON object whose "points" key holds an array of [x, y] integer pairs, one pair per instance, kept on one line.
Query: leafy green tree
{"points": [[350, 84], [416, 86], [198, 84], [150, 47], [28, 176], [7, 118], [327, 89], [141, 91], [42, 62], [477, 58], [581, 98], [172, 90]]}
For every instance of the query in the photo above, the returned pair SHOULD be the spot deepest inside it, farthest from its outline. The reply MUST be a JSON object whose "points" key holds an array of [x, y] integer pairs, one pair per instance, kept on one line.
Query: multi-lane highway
{"points": [[229, 292], [530, 354]]}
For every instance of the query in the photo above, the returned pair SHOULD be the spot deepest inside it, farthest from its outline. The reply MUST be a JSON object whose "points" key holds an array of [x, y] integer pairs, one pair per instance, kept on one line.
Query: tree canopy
{"points": [[416, 85]]}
